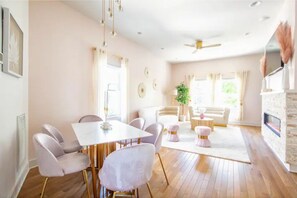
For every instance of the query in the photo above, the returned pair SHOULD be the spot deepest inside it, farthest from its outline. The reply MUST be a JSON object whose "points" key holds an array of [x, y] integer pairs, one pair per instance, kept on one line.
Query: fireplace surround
{"points": [[279, 125]]}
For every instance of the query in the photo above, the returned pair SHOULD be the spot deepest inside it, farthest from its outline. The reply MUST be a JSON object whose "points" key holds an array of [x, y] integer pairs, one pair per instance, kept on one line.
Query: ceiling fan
{"points": [[199, 45]]}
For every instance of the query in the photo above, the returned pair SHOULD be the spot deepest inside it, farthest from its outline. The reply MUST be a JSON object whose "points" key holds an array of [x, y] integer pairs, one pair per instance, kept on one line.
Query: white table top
{"points": [[91, 133]]}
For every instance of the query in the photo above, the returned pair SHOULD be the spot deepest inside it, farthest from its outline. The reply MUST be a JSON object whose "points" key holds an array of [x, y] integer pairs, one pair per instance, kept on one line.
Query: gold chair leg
{"points": [[149, 189], [43, 188], [163, 168], [114, 194], [86, 182]]}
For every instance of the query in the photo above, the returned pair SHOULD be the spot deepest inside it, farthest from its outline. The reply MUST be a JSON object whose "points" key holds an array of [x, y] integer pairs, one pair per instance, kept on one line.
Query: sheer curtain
{"points": [[215, 82], [100, 60], [188, 82], [124, 90], [241, 79]]}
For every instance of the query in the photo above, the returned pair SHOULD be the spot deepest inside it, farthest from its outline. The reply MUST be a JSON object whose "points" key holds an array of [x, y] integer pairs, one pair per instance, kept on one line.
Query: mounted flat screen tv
{"points": [[274, 60]]}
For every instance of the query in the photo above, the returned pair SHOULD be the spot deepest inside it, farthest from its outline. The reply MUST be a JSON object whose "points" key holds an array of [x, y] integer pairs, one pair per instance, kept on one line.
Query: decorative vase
{"points": [[202, 111], [201, 116], [286, 80]]}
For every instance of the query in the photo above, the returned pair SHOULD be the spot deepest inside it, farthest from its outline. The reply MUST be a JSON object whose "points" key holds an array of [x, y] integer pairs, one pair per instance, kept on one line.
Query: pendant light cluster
{"points": [[110, 14]]}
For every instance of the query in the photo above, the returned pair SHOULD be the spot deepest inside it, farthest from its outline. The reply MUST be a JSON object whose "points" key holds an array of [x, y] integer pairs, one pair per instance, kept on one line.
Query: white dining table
{"points": [[90, 134]]}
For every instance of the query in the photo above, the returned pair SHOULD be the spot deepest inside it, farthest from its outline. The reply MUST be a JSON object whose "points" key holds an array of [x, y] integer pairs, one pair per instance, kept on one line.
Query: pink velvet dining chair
{"points": [[128, 168], [68, 147], [137, 123], [90, 118], [156, 139], [54, 162]]}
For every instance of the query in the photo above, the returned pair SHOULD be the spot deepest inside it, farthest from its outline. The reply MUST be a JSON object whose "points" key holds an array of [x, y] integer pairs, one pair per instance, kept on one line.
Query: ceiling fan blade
{"points": [[194, 51], [214, 45], [190, 45]]}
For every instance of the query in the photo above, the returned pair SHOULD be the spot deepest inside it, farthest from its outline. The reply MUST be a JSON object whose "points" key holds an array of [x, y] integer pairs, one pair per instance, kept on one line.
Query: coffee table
{"points": [[197, 121]]}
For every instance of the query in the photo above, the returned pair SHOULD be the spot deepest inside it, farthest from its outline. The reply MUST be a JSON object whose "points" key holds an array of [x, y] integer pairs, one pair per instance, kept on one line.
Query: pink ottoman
{"points": [[202, 136], [172, 133]]}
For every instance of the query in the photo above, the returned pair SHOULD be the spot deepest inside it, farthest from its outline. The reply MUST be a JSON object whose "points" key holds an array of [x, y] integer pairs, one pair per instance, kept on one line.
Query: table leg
{"points": [[138, 141], [94, 175]]}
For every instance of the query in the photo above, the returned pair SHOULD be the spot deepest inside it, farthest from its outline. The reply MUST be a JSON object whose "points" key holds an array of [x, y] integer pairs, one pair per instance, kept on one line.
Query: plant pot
{"points": [[182, 118]]}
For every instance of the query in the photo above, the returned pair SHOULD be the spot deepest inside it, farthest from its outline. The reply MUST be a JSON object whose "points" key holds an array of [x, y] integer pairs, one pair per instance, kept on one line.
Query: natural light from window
{"points": [[225, 94]]}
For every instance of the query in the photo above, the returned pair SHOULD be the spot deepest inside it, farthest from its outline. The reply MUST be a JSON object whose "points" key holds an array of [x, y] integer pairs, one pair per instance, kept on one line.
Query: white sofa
{"points": [[163, 114], [220, 115]]}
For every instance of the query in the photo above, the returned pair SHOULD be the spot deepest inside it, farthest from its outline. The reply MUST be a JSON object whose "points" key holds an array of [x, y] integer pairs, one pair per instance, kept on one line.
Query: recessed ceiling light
{"points": [[264, 18], [255, 4], [247, 33], [139, 33], [162, 48]]}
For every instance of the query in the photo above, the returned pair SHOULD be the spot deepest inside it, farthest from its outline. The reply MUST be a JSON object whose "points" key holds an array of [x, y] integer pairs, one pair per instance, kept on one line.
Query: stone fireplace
{"points": [[279, 125]]}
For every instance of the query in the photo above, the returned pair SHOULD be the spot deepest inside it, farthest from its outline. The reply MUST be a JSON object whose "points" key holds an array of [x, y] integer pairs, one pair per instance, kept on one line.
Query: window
{"points": [[227, 96], [113, 89], [200, 92], [225, 93]]}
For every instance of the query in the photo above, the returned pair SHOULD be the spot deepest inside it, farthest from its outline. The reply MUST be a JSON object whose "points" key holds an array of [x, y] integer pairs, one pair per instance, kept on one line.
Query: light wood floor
{"points": [[192, 175]]}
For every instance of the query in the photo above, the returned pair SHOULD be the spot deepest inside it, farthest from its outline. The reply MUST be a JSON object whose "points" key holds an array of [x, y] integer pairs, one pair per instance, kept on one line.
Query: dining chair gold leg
{"points": [[43, 188], [86, 182], [114, 194], [163, 168], [149, 189]]}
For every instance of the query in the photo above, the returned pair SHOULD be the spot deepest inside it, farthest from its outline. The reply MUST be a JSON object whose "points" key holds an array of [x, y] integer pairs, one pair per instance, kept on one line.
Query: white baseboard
{"points": [[32, 163], [243, 123], [20, 180]]}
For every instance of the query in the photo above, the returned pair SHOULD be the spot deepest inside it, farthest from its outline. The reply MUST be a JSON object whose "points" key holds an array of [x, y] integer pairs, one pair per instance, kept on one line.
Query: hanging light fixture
{"points": [[111, 15]]}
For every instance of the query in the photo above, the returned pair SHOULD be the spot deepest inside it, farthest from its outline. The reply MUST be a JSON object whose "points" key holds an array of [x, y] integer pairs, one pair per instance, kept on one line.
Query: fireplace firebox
{"points": [[273, 123]]}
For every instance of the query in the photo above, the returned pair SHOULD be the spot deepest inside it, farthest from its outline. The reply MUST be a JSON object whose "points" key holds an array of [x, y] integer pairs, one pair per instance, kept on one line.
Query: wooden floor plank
{"points": [[193, 175]]}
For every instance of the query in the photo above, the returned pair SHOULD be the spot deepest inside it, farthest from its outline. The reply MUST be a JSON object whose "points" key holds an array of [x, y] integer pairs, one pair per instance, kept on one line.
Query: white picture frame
{"points": [[1, 38], [13, 40]]}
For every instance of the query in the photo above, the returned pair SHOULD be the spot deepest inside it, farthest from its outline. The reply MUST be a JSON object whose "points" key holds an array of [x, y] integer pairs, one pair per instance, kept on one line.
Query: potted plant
{"points": [[183, 98]]}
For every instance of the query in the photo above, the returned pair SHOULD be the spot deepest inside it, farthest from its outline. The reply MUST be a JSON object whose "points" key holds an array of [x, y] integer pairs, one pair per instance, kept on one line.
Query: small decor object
{"points": [[141, 90], [183, 98], [155, 84], [12, 45], [284, 37], [202, 111], [146, 72]]}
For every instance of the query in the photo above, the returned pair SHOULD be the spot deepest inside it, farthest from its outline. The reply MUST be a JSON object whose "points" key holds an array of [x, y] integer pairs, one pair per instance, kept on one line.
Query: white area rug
{"points": [[226, 143]]}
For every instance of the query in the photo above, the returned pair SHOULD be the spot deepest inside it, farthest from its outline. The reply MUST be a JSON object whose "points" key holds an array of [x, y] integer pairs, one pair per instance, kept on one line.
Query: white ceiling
{"points": [[169, 24]]}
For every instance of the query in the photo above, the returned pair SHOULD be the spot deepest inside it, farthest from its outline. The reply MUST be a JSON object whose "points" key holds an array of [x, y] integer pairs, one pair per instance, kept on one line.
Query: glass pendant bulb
{"points": [[113, 33], [104, 44]]}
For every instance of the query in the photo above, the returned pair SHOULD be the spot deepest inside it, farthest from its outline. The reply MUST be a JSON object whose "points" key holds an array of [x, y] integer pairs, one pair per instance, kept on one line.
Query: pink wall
{"points": [[14, 102], [252, 103], [60, 85]]}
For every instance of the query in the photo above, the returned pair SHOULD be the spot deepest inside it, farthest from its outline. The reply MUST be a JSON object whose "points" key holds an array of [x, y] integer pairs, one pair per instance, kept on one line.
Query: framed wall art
{"points": [[1, 38], [12, 45]]}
